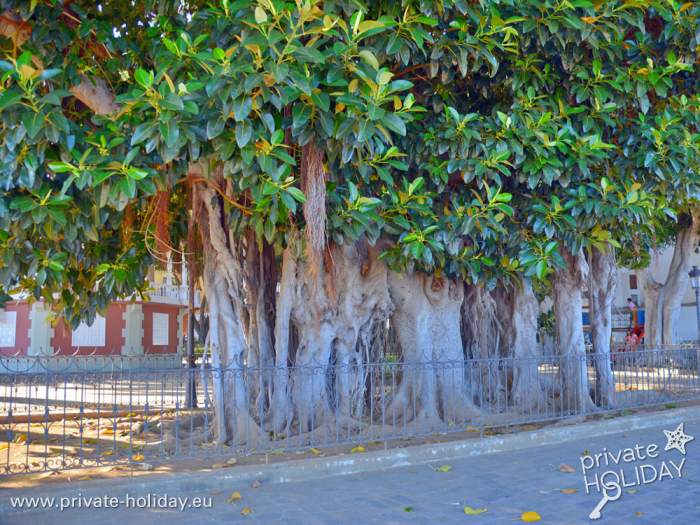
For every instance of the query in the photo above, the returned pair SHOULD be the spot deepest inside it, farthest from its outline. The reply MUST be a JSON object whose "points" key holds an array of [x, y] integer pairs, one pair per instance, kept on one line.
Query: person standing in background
{"points": [[633, 311]]}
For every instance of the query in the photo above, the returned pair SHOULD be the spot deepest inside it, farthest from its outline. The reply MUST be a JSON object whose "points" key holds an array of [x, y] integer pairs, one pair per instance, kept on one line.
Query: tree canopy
{"points": [[479, 138]]}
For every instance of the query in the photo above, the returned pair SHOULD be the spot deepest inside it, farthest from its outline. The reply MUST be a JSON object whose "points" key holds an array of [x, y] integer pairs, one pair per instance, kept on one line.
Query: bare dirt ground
{"points": [[114, 450]]}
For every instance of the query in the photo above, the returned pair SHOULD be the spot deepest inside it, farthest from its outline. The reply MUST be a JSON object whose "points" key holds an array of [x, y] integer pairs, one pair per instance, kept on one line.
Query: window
{"points": [[93, 335], [8, 328], [161, 329], [633, 281]]}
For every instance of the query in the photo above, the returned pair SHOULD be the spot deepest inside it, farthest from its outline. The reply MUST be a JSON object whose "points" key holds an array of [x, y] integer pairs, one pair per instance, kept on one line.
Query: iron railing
{"points": [[56, 419]]}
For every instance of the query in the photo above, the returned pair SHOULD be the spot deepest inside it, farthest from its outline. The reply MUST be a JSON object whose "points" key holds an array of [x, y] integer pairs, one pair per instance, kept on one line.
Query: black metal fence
{"points": [[56, 416]]}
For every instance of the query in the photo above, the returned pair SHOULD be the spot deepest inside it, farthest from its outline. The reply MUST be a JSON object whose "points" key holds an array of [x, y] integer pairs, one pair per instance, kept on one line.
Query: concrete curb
{"points": [[315, 468]]}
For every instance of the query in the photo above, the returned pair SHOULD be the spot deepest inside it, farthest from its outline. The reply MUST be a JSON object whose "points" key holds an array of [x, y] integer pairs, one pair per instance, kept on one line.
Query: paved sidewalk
{"points": [[506, 483]]}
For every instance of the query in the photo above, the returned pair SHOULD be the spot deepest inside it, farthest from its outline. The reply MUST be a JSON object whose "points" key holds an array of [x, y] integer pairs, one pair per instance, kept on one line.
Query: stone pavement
{"points": [[506, 483]]}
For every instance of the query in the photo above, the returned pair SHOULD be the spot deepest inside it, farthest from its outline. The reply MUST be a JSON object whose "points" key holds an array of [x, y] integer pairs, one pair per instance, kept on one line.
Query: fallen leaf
{"points": [[108, 453], [358, 448], [566, 468], [568, 491], [444, 468], [530, 516], [638, 514], [256, 484], [137, 457], [632, 491], [21, 438], [315, 451], [231, 461], [471, 511], [408, 509], [235, 496], [472, 429], [246, 511]]}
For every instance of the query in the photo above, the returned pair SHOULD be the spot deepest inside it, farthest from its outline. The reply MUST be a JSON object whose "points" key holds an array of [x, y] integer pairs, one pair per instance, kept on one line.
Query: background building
{"points": [[152, 329]]}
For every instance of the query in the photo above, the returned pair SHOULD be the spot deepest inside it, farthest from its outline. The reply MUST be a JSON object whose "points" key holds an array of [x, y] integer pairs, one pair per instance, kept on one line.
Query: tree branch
{"points": [[96, 95]]}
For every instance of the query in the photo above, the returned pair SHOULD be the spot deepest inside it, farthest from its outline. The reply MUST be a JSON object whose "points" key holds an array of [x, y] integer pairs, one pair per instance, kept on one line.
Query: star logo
{"points": [[677, 439]]}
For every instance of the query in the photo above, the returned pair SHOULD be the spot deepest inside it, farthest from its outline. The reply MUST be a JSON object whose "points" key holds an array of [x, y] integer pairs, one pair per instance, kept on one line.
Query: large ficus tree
{"points": [[347, 163]]}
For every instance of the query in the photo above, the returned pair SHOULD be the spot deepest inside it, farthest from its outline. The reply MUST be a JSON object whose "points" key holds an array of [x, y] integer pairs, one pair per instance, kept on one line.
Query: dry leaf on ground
{"points": [[358, 448], [471, 511], [566, 468], [444, 468], [569, 491], [246, 511], [530, 516], [256, 484], [235, 496]]}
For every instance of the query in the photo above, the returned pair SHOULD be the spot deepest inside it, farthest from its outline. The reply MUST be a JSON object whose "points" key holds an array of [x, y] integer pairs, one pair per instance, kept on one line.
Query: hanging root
{"points": [[313, 179], [482, 329]]}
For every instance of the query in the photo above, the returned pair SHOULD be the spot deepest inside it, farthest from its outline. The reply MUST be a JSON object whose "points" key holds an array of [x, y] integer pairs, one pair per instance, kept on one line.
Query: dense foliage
{"points": [[481, 138]]}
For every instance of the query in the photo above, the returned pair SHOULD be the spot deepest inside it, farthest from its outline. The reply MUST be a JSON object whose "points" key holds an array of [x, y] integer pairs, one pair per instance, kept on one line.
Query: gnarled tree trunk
{"points": [[677, 281], [434, 387], [518, 310], [333, 309], [602, 281], [568, 286], [663, 302], [222, 283], [482, 328], [653, 309]]}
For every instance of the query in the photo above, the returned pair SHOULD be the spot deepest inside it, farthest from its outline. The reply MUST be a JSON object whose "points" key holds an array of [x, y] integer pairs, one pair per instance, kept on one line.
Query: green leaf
{"points": [[23, 204], [33, 122], [61, 167], [394, 123], [297, 194], [9, 98], [136, 173], [260, 15], [143, 78], [309, 55], [368, 57], [244, 132], [384, 77]]}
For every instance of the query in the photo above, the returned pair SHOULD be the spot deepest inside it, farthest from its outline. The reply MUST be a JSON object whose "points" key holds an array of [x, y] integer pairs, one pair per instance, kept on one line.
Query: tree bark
{"points": [[332, 309], [602, 281], [663, 302], [434, 388], [677, 281], [568, 285], [518, 309], [222, 282], [653, 308], [482, 330]]}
